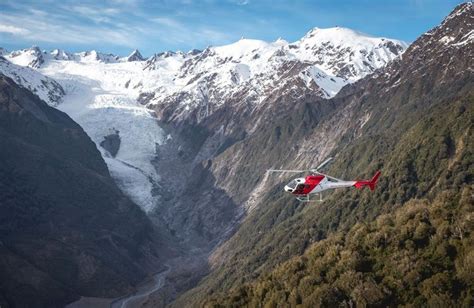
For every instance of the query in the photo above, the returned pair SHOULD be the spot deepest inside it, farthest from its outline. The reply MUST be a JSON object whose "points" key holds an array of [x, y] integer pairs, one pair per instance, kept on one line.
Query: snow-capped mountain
{"points": [[135, 56], [32, 57], [324, 60], [189, 137], [116, 98], [250, 71], [59, 54], [345, 53]]}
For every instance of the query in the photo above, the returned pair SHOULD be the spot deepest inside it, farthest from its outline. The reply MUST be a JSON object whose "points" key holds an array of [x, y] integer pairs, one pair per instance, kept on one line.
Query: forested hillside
{"points": [[420, 254], [413, 120]]}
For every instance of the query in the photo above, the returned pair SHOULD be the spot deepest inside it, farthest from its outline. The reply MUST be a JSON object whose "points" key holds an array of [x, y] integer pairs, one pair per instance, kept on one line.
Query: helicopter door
{"points": [[300, 189]]}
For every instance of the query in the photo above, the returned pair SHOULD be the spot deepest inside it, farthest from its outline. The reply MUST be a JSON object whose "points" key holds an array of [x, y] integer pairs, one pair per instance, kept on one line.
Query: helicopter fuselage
{"points": [[313, 184]]}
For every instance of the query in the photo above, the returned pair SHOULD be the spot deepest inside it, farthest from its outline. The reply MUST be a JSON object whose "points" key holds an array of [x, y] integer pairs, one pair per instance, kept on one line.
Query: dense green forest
{"points": [[418, 250], [419, 253], [422, 254]]}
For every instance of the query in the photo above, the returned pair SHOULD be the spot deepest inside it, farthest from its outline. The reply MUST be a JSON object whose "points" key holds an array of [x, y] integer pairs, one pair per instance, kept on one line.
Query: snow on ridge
{"points": [[104, 93], [240, 48], [345, 36], [357, 54], [46, 88]]}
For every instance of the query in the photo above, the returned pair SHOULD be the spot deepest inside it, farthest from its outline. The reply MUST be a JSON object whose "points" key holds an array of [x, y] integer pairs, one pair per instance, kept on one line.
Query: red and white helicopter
{"points": [[318, 182]]}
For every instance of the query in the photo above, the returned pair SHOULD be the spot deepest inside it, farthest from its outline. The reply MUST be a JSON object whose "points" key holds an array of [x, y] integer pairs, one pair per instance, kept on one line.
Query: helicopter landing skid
{"points": [[306, 198]]}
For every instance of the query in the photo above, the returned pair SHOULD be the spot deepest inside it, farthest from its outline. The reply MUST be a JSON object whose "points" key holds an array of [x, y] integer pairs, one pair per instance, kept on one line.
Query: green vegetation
{"points": [[409, 242], [422, 254], [427, 161]]}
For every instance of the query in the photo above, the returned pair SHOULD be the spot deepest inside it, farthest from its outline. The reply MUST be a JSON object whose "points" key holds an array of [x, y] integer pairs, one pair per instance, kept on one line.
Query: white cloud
{"points": [[105, 23], [124, 2], [166, 21], [213, 35], [57, 31], [13, 29], [96, 14]]}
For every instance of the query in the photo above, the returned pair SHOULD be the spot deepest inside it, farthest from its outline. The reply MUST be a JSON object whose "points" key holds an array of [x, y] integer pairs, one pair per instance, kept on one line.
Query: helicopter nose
{"points": [[288, 189]]}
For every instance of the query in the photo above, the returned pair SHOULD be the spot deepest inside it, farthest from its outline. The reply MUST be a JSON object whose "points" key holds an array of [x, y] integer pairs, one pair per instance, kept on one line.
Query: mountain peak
{"points": [[452, 31], [60, 54], [94, 55], [333, 30], [463, 8], [135, 56], [339, 35], [462, 11], [35, 49], [194, 52], [356, 54], [239, 48], [32, 57]]}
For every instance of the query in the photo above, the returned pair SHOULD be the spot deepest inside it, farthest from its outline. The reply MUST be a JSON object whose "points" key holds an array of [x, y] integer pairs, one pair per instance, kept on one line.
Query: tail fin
{"points": [[374, 180], [371, 183]]}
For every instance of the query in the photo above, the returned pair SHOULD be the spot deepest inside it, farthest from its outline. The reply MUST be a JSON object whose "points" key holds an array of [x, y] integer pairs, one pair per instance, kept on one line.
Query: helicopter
{"points": [[317, 182]]}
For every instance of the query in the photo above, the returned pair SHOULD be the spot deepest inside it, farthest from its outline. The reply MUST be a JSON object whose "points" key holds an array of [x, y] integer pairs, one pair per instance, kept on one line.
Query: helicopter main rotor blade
{"points": [[324, 163], [289, 171]]}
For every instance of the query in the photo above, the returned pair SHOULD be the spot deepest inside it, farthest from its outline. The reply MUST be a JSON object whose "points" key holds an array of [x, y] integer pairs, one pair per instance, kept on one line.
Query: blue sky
{"points": [[119, 26]]}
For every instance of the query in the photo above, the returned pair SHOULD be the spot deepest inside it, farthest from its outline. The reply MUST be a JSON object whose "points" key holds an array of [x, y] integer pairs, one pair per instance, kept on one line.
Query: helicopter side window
{"points": [[292, 184]]}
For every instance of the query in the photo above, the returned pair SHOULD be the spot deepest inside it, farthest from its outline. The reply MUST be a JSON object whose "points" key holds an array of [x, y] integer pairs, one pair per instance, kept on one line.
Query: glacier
{"points": [[105, 93]]}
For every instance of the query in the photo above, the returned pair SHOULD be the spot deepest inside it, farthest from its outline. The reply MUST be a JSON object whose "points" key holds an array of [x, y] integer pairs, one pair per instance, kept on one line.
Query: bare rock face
{"points": [[111, 143]]}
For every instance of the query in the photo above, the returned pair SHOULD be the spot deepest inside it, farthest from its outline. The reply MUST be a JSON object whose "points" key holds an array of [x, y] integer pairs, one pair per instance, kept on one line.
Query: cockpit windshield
{"points": [[292, 184]]}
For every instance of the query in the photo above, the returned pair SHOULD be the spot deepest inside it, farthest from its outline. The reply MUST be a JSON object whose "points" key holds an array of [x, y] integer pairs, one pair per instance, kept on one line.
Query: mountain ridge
{"points": [[211, 130], [177, 89], [371, 124]]}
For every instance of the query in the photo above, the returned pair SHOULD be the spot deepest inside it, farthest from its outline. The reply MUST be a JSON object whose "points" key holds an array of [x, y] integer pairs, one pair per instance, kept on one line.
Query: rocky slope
{"points": [[412, 119], [66, 230], [235, 91], [205, 101]]}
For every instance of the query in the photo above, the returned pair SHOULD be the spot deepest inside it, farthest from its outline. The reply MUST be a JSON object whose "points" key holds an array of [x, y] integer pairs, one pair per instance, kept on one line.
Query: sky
{"points": [[119, 26]]}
